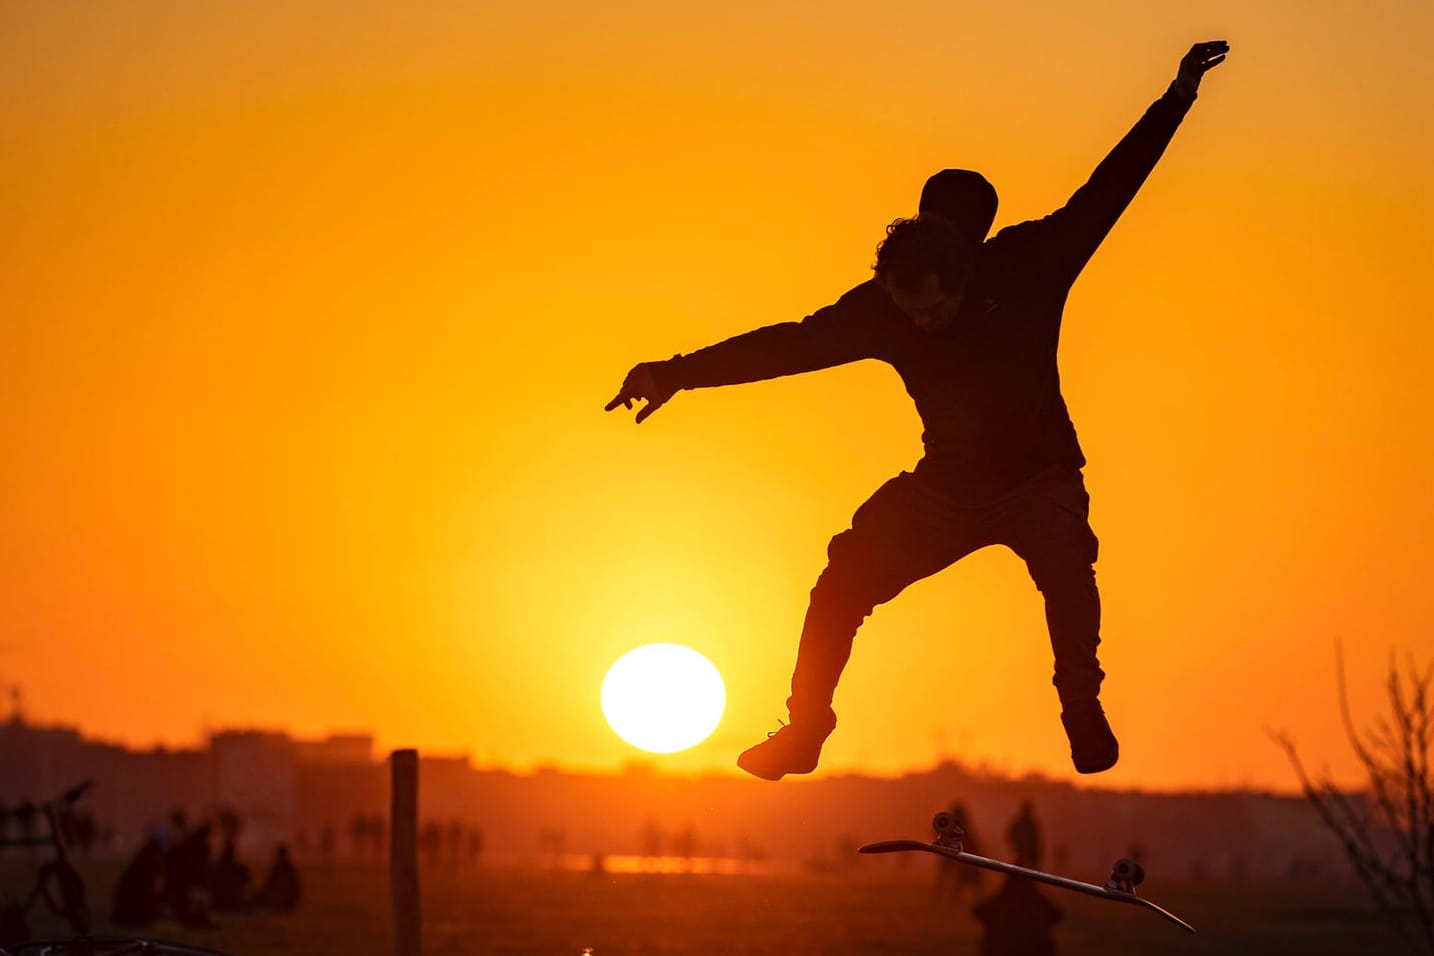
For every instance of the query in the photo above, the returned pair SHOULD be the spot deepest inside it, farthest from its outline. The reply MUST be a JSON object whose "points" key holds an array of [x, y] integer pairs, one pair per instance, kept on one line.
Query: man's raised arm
{"points": [[1077, 228], [837, 334]]}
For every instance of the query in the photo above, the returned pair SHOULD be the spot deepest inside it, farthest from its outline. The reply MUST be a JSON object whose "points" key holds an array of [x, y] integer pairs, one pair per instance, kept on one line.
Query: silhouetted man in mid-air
{"points": [[971, 324]]}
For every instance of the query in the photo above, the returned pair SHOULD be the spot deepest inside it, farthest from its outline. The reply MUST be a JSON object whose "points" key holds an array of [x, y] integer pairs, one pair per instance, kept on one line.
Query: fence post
{"points": [[403, 851]]}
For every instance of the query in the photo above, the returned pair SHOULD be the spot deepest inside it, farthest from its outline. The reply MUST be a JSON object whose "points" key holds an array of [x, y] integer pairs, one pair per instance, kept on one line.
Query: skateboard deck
{"points": [[1121, 887]]}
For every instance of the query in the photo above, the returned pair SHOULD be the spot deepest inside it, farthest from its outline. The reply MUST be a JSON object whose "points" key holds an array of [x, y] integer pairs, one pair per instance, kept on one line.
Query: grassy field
{"points": [[492, 910]]}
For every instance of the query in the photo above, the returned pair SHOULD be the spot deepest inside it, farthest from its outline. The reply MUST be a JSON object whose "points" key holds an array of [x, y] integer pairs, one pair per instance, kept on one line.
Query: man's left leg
{"points": [[1048, 526]]}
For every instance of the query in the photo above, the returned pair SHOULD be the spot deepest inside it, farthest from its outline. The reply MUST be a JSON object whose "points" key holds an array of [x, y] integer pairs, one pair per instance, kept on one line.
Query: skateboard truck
{"points": [[1125, 876], [948, 831]]}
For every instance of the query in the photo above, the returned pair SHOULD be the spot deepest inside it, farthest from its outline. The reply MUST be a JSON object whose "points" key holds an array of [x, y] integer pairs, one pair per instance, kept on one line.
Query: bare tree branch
{"points": [[1394, 755]]}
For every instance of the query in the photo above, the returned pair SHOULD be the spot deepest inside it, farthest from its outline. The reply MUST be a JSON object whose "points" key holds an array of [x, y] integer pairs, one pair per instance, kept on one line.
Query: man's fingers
{"points": [[624, 398], [1201, 52], [639, 386], [1213, 63], [654, 402]]}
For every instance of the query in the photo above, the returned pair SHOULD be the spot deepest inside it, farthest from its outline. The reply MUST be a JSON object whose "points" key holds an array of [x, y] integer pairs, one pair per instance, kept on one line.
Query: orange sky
{"points": [[310, 313]]}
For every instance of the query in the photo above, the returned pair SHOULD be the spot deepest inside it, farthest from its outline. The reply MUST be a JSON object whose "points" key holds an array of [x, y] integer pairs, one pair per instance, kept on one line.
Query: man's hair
{"points": [[914, 248]]}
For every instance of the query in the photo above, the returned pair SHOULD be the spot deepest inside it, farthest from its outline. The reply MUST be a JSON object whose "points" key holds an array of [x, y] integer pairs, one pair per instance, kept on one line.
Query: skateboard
{"points": [[1124, 876]]}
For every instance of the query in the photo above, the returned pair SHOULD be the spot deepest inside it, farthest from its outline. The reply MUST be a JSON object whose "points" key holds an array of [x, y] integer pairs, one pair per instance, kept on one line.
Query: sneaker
{"points": [[792, 749], [1093, 746]]}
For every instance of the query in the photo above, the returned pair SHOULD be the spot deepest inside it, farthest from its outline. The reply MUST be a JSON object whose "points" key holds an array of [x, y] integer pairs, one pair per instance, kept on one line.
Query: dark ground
{"points": [[493, 910]]}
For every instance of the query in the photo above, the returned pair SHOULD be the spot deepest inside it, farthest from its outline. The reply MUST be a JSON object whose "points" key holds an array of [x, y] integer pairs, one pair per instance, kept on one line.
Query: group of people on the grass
{"points": [[174, 874]]}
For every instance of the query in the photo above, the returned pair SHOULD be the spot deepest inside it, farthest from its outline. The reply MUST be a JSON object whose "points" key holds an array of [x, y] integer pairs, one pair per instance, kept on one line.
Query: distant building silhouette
{"points": [[1214, 833]]}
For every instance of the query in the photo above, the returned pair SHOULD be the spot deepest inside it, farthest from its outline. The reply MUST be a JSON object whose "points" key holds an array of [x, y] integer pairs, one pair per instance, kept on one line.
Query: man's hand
{"points": [[641, 385], [1201, 58]]}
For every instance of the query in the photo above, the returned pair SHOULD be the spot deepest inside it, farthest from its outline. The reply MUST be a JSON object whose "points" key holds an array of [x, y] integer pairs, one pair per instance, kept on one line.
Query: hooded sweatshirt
{"points": [[986, 386]]}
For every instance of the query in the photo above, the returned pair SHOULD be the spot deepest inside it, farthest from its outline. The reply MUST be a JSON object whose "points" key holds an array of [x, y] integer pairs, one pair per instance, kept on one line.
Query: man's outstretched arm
{"points": [[1080, 226], [840, 333]]}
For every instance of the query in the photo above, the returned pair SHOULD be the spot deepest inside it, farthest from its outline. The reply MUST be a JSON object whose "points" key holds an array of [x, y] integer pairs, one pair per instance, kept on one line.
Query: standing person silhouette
{"points": [[971, 325], [1025, 837]]}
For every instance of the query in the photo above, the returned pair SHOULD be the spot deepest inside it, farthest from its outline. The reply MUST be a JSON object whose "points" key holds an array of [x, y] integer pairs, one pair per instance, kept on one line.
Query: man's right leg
{"points": [[903, 533]]}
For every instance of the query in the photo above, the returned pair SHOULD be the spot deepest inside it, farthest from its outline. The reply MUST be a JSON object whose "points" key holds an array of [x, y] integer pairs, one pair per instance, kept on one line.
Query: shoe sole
{"points": [[779, 776], [1098, 766]]}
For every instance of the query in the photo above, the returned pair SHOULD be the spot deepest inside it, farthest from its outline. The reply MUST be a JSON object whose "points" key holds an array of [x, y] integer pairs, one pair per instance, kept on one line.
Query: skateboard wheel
{"points": [[943, 823], [1127, 871]]}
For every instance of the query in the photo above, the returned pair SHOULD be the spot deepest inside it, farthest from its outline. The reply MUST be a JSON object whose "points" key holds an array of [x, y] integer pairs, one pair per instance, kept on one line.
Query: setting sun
{"points": [[663, 697]]}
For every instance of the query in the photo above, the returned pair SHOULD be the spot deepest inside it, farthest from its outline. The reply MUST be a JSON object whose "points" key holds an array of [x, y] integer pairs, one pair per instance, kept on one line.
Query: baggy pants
{"points": [[909, 530]]}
